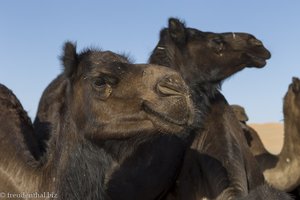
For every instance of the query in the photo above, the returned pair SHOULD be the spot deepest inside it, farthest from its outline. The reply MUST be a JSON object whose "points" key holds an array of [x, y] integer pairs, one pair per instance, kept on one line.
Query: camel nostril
{"points": [[171, 85]]}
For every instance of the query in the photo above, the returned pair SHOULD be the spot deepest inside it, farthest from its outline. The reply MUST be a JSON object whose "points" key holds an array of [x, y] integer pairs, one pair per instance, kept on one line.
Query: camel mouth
{"points": [[259, 60], [162, 116]]}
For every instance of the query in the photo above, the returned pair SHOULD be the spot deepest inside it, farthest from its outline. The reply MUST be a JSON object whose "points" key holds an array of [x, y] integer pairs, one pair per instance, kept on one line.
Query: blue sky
{"points": [[32, 33]]}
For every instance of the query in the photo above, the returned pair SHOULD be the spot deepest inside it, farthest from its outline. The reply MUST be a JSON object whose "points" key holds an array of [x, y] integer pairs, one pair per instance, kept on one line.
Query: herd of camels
{"points": [[110, 129]]}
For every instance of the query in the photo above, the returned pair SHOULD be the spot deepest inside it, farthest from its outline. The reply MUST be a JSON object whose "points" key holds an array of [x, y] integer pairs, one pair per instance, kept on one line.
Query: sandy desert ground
{"points": [[271, 134]]}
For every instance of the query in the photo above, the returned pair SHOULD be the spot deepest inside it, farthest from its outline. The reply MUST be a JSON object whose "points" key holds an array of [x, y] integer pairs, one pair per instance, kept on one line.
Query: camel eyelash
{"points": [[105, 79]]}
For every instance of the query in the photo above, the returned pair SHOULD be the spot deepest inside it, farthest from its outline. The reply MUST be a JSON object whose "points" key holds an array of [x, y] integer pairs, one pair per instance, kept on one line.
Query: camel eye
{"points": [[218, 41], [103, 87], [218, 44], [105, 80], [99, 82]]}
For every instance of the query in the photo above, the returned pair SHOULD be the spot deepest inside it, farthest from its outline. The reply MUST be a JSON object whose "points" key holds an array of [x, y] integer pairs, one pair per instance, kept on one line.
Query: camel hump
{"points": [[15, 128]]}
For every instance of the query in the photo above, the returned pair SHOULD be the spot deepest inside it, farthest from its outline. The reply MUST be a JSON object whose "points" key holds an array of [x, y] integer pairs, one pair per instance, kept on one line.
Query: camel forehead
{"points": [[99, 62], [209, 34], [113, 68], [95, 63], [237, 40], [98, 57]]}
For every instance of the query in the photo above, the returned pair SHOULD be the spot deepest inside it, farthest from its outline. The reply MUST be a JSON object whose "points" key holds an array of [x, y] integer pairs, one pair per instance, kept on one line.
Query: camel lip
{"points": [[259, 53], [147, 108], [258, 61]]}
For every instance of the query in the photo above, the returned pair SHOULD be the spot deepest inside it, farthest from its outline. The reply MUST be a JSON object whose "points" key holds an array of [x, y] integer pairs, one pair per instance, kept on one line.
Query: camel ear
{"points": [[177, 30], [69, 59]]}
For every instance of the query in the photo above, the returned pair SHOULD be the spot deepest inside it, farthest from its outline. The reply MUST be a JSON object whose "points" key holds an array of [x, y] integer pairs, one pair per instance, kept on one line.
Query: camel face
{"points": [[251, 50], [291, 104], [116, 122], [139, 115], [207, 56], [120, 97]]}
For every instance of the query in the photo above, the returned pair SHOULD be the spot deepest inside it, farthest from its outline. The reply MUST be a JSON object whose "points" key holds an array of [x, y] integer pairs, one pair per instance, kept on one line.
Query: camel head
{"points": [[138, 114], [291, 101], [107, 94], [117, 122], [240, 113], [207, 56]]}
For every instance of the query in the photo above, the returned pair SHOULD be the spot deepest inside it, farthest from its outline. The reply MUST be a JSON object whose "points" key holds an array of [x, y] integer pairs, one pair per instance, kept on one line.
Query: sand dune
{"points": [[271, 135]]}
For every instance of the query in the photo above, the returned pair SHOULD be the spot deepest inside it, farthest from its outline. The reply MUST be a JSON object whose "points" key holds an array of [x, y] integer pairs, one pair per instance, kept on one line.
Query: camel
{"points": [[218, 164], [282, 170], [253, 140], [210, 62], [121, 126], [18, 150]]}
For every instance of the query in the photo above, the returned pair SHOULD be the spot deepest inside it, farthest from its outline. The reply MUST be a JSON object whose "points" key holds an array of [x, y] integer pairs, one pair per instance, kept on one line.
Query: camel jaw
{"points": [[258, 61]]}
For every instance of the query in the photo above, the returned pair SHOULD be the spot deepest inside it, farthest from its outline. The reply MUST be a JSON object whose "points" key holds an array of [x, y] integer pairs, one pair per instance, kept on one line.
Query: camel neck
{"points": [[291, 143], [286, 176]]}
